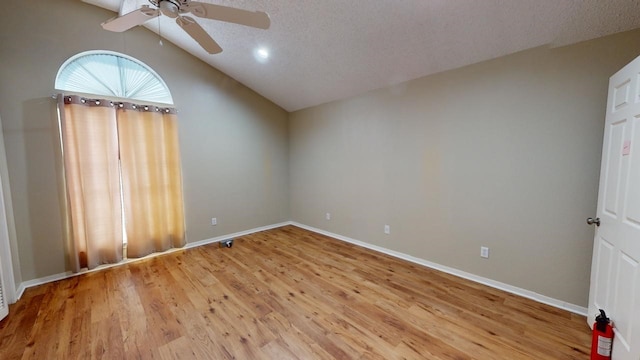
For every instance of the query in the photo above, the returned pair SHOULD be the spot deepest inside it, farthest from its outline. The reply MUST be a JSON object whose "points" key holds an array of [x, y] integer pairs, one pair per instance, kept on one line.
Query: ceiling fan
{"points": [[176, 9]]}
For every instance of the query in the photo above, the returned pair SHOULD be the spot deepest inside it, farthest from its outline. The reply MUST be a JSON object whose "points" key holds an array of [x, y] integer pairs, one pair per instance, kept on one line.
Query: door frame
{"points": [[6, 258], [5, 252]]}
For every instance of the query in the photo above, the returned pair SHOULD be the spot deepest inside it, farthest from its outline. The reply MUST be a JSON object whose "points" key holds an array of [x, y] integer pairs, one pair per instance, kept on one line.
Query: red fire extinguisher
{"points": [[602, 338]]}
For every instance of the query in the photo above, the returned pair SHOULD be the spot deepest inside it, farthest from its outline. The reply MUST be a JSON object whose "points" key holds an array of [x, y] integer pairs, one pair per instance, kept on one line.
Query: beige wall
{"points": [[234, 143], [504, 154]]}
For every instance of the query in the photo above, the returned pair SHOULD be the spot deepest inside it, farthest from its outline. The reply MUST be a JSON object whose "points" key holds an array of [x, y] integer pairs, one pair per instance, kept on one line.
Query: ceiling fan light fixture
{"points": [[169, 8]]}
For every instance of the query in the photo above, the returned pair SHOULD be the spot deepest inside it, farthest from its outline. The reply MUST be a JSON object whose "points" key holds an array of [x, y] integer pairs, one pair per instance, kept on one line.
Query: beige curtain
{"points": [[115, 151], [92, 179], [152, 179]]}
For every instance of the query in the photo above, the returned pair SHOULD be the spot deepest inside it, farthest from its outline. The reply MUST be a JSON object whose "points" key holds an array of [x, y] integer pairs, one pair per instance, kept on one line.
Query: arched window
{"points": [[112, 74]]}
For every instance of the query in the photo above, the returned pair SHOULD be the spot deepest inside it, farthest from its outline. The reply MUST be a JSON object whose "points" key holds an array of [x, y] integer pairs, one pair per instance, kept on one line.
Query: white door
{"points": [[4, 305], [7, 285], [6, 294], [5, 261], [6, 272], [615, 270]]}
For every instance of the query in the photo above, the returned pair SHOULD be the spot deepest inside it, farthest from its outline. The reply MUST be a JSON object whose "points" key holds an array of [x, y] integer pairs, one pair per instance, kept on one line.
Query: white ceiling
{"points": [[324, 50]]}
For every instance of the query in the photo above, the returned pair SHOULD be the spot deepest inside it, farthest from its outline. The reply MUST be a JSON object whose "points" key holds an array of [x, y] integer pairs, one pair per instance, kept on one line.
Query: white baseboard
{"points": [[39, 281], [234, 235], [465, 275], [449, 270], [47, 279]]}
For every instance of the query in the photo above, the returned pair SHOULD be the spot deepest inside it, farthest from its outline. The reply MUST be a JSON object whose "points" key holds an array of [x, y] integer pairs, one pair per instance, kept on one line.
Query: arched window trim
{"points": [[158, 91]]}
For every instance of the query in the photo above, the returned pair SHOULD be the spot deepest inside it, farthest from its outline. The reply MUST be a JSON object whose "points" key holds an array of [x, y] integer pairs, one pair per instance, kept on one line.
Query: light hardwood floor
{"points": [[283, 294]]}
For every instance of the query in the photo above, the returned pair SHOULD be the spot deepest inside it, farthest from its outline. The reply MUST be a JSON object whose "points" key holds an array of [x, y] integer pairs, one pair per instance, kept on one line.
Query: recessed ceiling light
{"points": [[261, 54]]}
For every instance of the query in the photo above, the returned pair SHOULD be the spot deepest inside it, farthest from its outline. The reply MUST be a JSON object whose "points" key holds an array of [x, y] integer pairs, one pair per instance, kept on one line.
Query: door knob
{"points": [[592, 221]]}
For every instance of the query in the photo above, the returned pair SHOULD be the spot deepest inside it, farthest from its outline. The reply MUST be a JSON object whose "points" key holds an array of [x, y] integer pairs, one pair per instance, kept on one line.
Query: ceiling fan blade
{"points": [[198, 34], [256, 19], [127, 21]]}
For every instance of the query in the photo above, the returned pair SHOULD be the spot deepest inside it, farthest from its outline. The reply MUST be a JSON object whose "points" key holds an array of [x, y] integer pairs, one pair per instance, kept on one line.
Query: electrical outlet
{"points": [[327, 216], [214, 221], [387, 229], [484, 252]]}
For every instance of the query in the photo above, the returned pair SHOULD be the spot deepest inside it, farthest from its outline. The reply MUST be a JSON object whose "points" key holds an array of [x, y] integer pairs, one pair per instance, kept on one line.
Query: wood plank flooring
{"points": [[283, 294]]}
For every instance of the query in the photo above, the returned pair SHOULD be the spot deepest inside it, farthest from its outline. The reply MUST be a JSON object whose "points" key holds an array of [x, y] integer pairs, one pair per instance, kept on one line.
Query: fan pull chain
{"points": [[159, 32]]}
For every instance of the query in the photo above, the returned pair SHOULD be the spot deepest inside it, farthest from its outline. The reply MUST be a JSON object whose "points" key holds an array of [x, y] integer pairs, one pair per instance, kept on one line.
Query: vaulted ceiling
{"points": [[324, 50]]}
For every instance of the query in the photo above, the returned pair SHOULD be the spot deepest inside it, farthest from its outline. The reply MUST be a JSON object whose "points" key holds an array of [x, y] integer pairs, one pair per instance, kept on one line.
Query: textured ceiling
{"points": [[324, 50]]}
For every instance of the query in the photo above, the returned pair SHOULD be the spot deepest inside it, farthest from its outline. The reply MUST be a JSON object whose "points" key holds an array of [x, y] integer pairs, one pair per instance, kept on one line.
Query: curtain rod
{"points": [[122, 104]]}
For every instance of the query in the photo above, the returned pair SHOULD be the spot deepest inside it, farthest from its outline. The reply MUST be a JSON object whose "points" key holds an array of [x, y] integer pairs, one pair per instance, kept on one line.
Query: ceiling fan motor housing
{"points": [[171, 8]]}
